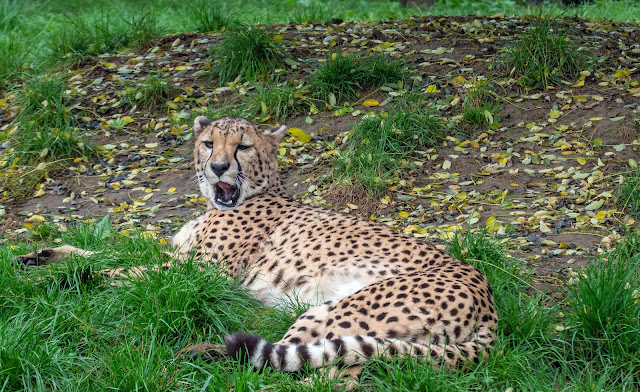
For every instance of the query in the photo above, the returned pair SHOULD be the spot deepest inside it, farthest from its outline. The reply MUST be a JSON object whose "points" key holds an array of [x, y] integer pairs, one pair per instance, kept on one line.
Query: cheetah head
{"points": [[235, 160]]}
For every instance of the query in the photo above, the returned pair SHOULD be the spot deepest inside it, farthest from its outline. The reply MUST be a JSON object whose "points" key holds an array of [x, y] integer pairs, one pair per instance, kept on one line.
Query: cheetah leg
{"points": [[310, 325], [134, 272], [50, 255], [55, 255], [347, 377]]}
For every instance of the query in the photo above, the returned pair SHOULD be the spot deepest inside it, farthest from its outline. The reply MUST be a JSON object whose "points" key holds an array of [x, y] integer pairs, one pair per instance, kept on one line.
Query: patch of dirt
{"points": [[352, 195]]}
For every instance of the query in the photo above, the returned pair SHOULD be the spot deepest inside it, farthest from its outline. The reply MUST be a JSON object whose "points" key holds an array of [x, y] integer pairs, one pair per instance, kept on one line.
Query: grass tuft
{"points": [[277, 101], [604, 325], [379, 143], [142, 29], [155, 90], [313, 12], [45, 125], [480, 108], [339, 79], [628, 196], [10, 13], [247, 53], [383, 69], [81, 38], [342, 76], [543, 56], [14, 56], [73, 44], [207, 16], [20, 182], [32, 356]]}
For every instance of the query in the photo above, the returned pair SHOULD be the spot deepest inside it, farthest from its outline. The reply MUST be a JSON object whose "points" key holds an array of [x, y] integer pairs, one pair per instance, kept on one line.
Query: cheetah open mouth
{"points": [[226, 194]]}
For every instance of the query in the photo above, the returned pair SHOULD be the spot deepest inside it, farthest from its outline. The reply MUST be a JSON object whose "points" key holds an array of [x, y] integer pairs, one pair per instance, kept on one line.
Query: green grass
{"points": [[628, 195], [82, 333], [14, 55], [62, 327], [379, 143], [339, 79], [480, 108], [621, 10], [624, 10], [275, 101], [342, 76], [210, 15], [155, 90], [250, 54], [543, 56], [604, 321], [78, 40], [81, 38], [311, 12], [45, 128], [72, 31], [44, 137], [10, 13], [142, 29]]}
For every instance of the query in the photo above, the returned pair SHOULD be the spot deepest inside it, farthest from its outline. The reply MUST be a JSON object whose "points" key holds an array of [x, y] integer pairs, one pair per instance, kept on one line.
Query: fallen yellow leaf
{"points": [[579, 84], [544, 227], [371, 102], [554, 113], [300, 134]]}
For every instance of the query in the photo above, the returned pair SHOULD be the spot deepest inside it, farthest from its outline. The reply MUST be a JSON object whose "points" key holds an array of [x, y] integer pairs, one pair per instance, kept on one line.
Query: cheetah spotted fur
{"points": [[377, 292]]}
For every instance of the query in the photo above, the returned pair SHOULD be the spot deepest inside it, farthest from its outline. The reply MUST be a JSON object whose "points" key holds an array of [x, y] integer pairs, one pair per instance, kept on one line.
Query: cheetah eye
{"points": [[208, 144], [242, 147]]}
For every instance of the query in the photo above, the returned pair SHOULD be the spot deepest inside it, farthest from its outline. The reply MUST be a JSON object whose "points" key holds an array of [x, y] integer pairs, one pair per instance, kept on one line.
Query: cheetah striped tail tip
{"points": [[243, 346]]}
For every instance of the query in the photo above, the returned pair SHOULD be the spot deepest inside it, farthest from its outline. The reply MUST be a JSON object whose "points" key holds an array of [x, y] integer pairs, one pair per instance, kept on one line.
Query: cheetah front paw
{"points": [[35, 258], [49, 255]]}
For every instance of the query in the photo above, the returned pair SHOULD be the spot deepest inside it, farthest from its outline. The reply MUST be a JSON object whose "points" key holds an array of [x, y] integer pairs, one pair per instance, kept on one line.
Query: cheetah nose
{"points": [[219, 168]]}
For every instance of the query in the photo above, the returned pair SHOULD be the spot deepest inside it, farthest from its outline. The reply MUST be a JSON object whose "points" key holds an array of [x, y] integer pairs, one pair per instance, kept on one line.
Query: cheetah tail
{"points": [[348, 350]]}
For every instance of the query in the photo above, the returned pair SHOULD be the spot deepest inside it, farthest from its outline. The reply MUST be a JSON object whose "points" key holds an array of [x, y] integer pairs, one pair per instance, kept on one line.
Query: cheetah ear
{"points": [[275, 134], [200, 123]]}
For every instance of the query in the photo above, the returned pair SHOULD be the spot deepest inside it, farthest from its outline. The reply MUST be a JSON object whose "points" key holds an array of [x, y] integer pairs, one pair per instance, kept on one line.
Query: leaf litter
{"points": [[542, 173]]}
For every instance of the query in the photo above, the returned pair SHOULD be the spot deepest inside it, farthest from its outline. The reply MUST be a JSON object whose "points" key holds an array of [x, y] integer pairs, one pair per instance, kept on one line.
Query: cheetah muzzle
{"points": [[226, 195]]}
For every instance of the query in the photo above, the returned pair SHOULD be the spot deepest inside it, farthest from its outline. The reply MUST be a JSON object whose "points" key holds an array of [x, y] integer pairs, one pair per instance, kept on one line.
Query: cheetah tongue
{"points": [[226, 192]]}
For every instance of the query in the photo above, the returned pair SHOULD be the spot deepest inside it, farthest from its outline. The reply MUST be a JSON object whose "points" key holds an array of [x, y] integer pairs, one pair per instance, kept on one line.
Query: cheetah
{"points": [[376, 292]]}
